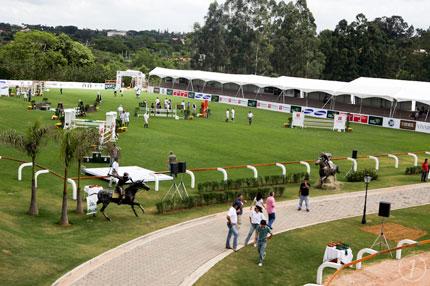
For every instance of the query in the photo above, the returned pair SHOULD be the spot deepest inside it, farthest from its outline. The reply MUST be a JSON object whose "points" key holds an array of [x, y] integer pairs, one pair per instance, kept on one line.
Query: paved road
{"points": [[180, 254]]}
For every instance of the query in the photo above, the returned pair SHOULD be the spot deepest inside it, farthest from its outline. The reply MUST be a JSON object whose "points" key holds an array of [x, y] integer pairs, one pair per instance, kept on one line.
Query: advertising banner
{"points": [[423, 127], [295, 108], [156, 90], [110, 85], [391, 123], [176, 92], [202, 96], [408, 125], [215, 98], [191, 94], [169, 91], [320, 113], [298, 119], [375, 120], [163, 90], [285, 108], [331, 114], [4, 88], [358, 118], [252, 103]]}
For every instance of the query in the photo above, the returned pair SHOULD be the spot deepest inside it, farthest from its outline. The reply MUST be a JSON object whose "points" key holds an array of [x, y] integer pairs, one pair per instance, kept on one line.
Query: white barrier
{"points": [[376, 162], [40, 172], [74, 188], [282, 166], [22, 166], [427, 153], [401, 243], [157, 182], [254, 170], [322, 267], [396, 160], [224, 172], [354, 163], [193, 178], [361, 253], [415, 158], [308, 167]]}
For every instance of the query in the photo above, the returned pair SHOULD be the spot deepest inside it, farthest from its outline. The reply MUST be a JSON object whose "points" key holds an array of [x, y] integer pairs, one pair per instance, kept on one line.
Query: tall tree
{"points": [[29, 143]]}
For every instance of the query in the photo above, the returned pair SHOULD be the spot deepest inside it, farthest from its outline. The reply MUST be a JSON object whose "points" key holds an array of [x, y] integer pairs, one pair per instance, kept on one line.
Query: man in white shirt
{"points": [[146, 120], [254, 218], [114, 171], [227, 115], [232, 226], [250, 117], [183, 105], [233, 113], [120, 109], [127, 118]]}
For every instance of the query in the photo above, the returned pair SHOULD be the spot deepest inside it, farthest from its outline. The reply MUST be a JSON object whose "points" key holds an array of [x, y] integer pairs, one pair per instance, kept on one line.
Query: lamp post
{"points": [[367, 180]]}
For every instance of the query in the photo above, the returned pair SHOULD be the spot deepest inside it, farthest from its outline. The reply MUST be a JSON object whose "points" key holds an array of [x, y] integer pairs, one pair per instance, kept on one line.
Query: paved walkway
{"points": [[180, 254]]}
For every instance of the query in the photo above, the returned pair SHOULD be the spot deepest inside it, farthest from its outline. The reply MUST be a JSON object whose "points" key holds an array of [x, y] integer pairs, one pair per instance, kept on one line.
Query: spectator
{"points": [[171, 159], [271, 210], [304, 195], [121, 92], [114, 171], [233, 113], [254, 218], [425, 171], [126, 118], [263, 233], [239, 201], [258, 201], [232, 226], [122, 118], [120, 109], [114, 153], [146, 120], [250, 117], [227, 115]]}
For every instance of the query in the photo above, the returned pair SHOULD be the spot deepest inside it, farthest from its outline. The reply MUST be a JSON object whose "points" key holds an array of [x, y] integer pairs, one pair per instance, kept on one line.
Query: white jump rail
{"points": [[400, 244], [74, 188], [157, 182], [354, 163], [396, 160], [415, 158], [224, 173], [427, 153], [193, 178], [376, 162], [22, 166], [361, 253], [40, 172], [284, 169], [308, 167], [324, 266], [254, 170]]}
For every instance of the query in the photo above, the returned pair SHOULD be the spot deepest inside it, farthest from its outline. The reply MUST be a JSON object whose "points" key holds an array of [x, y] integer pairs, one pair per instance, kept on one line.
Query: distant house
{"points": [[116, 33]]}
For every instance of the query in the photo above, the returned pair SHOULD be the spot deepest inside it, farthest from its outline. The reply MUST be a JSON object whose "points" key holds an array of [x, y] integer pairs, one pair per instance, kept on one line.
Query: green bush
{"points": [[359, 175], [414, 170]]}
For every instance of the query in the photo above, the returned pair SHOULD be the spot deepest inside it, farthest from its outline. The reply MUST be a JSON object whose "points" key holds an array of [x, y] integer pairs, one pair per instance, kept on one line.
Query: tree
{"points": [[87, 138], [29, 143]]}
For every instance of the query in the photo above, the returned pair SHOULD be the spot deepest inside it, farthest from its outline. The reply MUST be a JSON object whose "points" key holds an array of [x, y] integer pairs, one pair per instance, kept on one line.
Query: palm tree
{"points": [[29, 143], [87, 138], [68, 149]]}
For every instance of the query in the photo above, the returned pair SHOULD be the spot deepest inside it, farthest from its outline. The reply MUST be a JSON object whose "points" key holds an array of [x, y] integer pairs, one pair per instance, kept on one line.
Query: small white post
{"points": [[282, 166], [157, 182], [396, 160], [308, 167], [322, 267], [40, 172], [224, 172], [427, 153], [401, 243], [254, 170], [361, 253], [415, 158], [376, 162], [22, 166], [74, 188], [354, 163], [193, 178]]}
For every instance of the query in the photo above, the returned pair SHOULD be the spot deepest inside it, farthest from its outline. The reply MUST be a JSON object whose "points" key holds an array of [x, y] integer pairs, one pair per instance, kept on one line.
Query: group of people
{"points": [[230, 115], [124, 116]]}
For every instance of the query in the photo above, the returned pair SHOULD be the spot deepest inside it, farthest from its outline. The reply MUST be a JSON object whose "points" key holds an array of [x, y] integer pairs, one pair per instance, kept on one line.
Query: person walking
{"points": [[227, 115], [263, 234], [146, 120], [127, 118], [233, 114], [304, 195], [254, 218], [250, 117], [114, 171], [114, 153], [240, 201], [271, 209], [424, 171], [258, 201], [232, 226]]}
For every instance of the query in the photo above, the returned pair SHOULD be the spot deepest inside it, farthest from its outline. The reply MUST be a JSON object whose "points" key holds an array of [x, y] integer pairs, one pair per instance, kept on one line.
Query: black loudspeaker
{"points": [[174, 168], [384, 209], [354, 154], [182, 167]]}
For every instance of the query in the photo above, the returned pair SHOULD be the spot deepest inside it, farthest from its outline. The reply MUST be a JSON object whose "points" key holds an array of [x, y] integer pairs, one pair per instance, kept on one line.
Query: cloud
{"points": [[175, 15]]}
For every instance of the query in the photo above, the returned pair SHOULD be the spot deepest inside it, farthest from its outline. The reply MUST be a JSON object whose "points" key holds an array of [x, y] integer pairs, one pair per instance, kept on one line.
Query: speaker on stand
{"points": [[178, 186], [384, 212]]}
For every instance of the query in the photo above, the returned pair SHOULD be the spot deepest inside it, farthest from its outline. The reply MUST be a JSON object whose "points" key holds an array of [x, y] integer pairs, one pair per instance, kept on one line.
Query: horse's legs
{"points": [[102, 210], [139, 205], [132, 207]]}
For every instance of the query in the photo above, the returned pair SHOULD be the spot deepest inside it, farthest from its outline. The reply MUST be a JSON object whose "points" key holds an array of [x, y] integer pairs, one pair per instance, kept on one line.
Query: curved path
{"points": [[180, 254]]}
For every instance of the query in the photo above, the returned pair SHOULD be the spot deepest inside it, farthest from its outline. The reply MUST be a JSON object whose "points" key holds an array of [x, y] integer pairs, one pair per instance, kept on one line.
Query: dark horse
{"points": [[327, 167], [105, 197]]}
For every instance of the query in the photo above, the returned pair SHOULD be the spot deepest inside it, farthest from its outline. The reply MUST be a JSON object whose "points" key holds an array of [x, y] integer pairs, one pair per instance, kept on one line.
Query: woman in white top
{"points": [[258, 201], [254, 218]]}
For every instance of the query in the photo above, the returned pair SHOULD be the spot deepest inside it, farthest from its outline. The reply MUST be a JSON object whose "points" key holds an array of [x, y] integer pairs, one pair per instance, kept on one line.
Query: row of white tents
{"points": [[363, 87]]}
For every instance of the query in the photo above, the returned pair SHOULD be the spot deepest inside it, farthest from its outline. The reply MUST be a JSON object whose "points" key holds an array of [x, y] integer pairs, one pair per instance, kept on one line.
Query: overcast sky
{"points": [[179, 15]]}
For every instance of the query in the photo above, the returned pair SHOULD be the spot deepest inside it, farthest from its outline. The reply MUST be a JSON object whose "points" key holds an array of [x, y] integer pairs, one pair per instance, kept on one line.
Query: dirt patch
{"points": [[395, 232], [410, 271]]}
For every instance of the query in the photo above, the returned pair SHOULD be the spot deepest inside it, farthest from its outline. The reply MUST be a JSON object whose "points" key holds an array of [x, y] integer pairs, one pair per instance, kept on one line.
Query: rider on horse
{"points": [[119, 188]]}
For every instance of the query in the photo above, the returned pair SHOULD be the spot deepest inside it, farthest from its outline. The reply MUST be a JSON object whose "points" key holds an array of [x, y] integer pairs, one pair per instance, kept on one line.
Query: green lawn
{"points": [[292, 258], [40, 244]]}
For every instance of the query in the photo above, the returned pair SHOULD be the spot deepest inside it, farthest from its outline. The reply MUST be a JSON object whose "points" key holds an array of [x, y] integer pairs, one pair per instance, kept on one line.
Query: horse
{"points": [[105, 197], [327, 168]]}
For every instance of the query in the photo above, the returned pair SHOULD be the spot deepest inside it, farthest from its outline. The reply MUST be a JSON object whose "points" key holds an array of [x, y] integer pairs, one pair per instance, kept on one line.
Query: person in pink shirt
{"points": [[270, 207]]}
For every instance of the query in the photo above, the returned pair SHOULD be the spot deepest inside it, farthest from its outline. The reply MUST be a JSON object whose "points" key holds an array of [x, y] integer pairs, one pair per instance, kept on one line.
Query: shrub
{"points": [[359, 175], [414, 170]]}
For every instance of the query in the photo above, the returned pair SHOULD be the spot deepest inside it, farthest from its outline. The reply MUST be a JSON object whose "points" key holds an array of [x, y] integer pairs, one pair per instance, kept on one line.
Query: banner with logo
{"points": [[110, 85], [375, 120], [391, 123], [4, 88], [295, 108], [202, 96], [423, 127], [408, 125], [358, 118], [215, 98], [157, 90], [298, 119], [169, 91], [191, 94], [331, 114], [252, 103], [163, 90], [320, 113]]}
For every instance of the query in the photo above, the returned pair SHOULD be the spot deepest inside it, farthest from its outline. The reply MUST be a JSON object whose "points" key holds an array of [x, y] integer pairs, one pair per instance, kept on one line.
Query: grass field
{"points": [[292, 258], [35, 251]]}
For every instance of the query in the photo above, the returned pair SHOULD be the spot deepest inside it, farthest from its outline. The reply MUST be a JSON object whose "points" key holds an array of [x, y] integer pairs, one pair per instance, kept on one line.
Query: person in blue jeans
{"points": [[254, 218], [232, 226], [263, 234]]}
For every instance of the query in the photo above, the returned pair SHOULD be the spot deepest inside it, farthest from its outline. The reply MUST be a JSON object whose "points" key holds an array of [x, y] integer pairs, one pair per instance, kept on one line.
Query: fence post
{"points": [[282, 166], [74, 188], [396, 160], [193, 178], [254, 170], [415, 158], [323, 266], [224, 172], [361, 253], [40, 172], [376, 162], [22, 166], [308, 167], [354, 163], [401, 243]]}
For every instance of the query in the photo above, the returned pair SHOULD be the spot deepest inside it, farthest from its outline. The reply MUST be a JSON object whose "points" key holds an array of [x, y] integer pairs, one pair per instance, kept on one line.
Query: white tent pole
{"points": [[329, 100]]}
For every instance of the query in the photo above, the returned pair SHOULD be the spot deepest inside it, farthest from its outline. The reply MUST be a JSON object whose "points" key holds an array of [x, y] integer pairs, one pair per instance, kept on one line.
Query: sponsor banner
{"points": [[215, 98], [202, 96], [280, 107], [156, 90], [4, 88], [391, 123], [375, 120], [320, 113], [163, 90], [331, 114], [284, 108], [408, 125], [191, 94], [20, 83], [76, 85], [358, 118], [423, 127], [110, 85], [252, 103], [295, 108], [176, 92], [298, 119], [169, 91]]}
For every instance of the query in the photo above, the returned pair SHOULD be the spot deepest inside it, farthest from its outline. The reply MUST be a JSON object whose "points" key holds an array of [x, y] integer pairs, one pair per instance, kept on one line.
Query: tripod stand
{"points": [[382, 239], [177, 188]]}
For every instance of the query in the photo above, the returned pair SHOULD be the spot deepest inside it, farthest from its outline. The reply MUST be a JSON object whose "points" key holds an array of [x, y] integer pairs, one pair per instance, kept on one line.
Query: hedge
{"points": [[359, 175], [414, 170], [211, 198]]}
